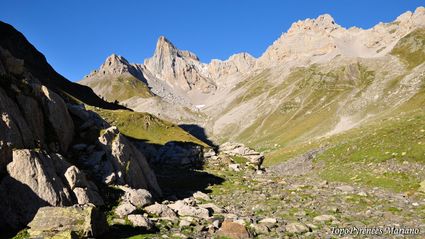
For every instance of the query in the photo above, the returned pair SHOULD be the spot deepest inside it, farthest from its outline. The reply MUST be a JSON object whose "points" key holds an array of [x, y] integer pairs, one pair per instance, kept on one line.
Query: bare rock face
{"points": [[80, 221], [33, 114], [5, 155], [129, 164], [58, 116], [242, 62], [179, 68], [321, 39], [13, 127]]}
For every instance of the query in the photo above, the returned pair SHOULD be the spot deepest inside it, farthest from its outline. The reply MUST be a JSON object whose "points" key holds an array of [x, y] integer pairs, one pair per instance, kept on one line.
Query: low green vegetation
{"points": [[411, 48], [144, 126], [384, 154], [121, 88]]}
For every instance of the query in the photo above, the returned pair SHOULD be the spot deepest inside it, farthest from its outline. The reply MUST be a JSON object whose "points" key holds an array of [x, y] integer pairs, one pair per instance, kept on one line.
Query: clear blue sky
{"points": [[76, 36]]}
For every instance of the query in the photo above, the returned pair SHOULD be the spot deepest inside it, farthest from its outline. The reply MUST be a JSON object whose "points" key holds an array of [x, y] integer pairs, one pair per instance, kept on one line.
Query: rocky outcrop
{"points": [[128, 163], [321, 39], [38, 127], [80, 221], [31, 182], [238, 63], [180, 155], [85, 191], [57, 114]]}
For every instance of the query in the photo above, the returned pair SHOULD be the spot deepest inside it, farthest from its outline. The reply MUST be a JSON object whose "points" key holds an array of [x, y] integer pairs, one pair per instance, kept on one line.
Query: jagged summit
{"points": [[180, 68], [323, 22], [113, 65]]}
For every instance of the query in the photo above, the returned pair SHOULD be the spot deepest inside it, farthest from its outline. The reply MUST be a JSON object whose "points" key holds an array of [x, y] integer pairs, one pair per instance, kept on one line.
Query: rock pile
{"points": [[236, 149]]}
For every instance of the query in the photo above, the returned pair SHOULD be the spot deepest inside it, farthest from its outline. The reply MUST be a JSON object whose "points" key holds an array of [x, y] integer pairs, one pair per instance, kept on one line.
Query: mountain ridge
{"points": [[250, 91]]}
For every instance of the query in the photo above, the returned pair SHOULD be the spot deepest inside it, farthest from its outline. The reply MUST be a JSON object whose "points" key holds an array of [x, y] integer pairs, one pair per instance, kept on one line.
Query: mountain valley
{"points": [[322, 134]]}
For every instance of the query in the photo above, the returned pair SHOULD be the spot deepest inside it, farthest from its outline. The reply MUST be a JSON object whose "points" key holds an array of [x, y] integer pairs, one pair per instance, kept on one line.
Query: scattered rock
{"points": [[296, 228], [236, 149], [124, 209], [268, 220], [233, 230], [235, 167], [324, 218], [260, 229], [183, 209], [138, 197], [345, 188], [201, 195], [161, 210], [140, 221], [213, 207], [216, 224]]}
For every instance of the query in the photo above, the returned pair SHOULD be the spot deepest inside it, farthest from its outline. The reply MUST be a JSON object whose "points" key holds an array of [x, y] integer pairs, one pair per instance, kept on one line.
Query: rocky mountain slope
{"points": [[316, 80]]}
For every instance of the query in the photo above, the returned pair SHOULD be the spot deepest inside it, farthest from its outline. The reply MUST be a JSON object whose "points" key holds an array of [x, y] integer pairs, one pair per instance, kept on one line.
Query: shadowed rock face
{"points": [[14, 44], [38, 127]]}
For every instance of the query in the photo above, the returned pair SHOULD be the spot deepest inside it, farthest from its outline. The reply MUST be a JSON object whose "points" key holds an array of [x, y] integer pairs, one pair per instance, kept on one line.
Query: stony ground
{"points": [[275, 204]]}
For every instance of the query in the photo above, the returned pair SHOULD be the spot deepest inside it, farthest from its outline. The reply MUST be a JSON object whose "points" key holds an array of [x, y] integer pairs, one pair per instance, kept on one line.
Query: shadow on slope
{"points": [[178, 166], [19, 204], [198, 132]]}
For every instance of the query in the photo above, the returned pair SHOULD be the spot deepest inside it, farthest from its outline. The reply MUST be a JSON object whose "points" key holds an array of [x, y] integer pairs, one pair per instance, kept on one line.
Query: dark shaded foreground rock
{"points": [[79, 221]]}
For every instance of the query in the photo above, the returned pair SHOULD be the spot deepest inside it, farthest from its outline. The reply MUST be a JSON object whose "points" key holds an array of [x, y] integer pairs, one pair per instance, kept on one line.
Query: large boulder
{"points": [[138, 197], [31, 183], [129, 164], [234, 230], [79, 221], [85, 191]]}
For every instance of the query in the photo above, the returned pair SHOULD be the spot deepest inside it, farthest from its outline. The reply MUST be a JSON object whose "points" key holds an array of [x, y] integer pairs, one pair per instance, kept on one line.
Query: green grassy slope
{"points": [[411, 48], [144, 126], [121, 88], [310, 107]]}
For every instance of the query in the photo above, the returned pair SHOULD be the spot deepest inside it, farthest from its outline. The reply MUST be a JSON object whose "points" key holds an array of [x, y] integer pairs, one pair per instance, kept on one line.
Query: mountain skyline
{"points": [[207, 35]]}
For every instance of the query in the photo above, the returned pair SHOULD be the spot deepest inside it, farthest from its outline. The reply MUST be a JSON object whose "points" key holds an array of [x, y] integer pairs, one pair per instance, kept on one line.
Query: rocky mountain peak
{"points": [[178, 67], [114, 60], [113, 65], [323, 22], [164, 47]]}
